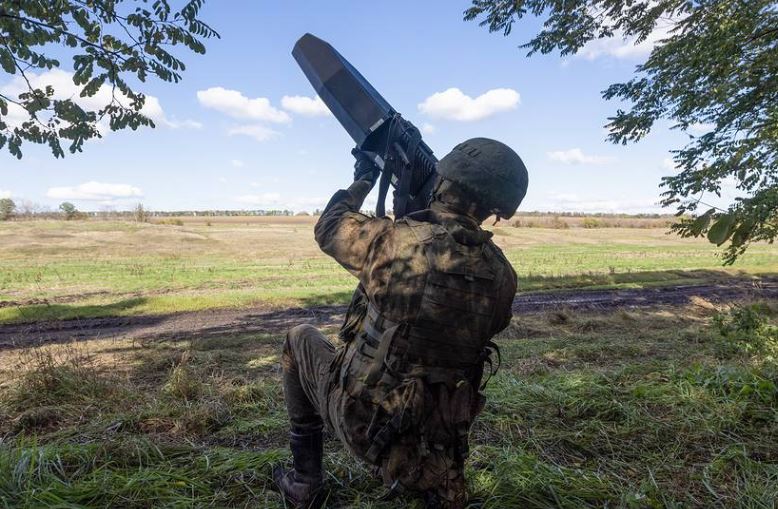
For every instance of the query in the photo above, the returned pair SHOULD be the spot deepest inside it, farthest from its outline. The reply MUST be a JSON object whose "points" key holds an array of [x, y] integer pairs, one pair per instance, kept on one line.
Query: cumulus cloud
{"points": [[237, 163], [257, 131], [305, 106], [5, 194], [453, 104], [234, 104], [577, 156], [64, 88], [95, 191]]}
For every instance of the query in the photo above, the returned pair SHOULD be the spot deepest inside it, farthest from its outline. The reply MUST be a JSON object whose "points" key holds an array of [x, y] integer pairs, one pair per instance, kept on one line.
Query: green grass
{"points": [[633, 409], [62, 270]]}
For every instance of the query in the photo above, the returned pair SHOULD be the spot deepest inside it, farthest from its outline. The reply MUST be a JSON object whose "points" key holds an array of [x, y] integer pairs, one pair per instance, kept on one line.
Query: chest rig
{"points": [[439, 306], [419, 357]]}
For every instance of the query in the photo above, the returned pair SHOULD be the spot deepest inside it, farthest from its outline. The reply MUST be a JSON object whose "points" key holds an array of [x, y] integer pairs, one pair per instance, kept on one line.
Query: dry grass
{"points": [[563, 222], [632, 408]]}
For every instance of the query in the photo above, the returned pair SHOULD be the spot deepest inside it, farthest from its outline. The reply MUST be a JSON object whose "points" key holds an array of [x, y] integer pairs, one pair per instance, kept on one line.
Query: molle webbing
{"points": [[417, 345]]}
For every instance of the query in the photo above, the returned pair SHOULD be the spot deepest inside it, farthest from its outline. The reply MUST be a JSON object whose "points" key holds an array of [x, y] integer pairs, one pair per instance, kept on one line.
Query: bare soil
{"points": [[220, 322]]}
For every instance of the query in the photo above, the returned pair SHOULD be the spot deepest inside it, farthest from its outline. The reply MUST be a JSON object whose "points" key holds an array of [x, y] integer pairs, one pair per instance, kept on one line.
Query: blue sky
{"points": [[238, 144]]}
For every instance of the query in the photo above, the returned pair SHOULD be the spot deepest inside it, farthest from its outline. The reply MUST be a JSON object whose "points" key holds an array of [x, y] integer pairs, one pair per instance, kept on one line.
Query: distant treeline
{"points": [[594, 214], [194, 213], [132, 214]]}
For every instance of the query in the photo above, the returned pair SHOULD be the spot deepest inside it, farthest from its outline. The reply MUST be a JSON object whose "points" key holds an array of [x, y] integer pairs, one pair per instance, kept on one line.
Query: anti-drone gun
{"points": [[407, 163]]}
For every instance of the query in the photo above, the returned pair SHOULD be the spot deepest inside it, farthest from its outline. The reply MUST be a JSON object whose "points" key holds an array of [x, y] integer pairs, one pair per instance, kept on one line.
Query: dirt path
{"points": [[239, 321]]}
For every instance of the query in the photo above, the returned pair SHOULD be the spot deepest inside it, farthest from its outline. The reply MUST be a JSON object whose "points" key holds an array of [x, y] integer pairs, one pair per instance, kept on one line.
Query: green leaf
{"points": [[7, 61], [721, 229], [702, 222]]}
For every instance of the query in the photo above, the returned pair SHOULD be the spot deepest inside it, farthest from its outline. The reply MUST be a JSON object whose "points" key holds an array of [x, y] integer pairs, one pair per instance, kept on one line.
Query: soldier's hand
{"points": [[365, 168]]}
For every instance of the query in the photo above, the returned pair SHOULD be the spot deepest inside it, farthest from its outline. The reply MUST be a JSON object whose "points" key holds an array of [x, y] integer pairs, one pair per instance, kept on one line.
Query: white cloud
{"points": [[576, 156], [237, 105], [623, 47], [569, 202], [668, 164], [274, 200], [95, 191], [305, 106], [5, 194], [428, 128], [223, 180], [453, 104], [64, 88], [256, 131], [237, 163]]}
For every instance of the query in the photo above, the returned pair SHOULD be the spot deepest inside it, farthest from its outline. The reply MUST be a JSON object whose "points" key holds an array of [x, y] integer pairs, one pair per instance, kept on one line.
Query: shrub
{"points": [[558, 223], [745, 329], [7, 209], [590, 222], [140, 214], [173, 222], [69, 210]]}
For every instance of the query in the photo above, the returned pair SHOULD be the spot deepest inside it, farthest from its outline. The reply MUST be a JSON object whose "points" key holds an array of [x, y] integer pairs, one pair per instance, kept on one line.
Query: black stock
{"points": [[408, 163]]}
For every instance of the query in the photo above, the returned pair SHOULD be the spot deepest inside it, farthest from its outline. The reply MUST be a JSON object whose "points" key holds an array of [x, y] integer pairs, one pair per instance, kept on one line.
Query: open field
{"points": [[54, 270], [174, 399]]}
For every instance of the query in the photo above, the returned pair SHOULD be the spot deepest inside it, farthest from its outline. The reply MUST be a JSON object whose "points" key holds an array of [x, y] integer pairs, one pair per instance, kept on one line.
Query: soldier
{"points": [[403, 391]]}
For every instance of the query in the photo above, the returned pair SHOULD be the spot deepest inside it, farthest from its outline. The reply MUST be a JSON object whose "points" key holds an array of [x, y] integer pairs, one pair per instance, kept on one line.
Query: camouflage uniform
{"points": [[404, 390]]}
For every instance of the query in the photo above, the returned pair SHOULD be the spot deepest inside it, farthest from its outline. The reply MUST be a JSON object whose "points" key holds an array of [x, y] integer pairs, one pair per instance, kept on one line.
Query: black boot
{"points": [[302, 485]]}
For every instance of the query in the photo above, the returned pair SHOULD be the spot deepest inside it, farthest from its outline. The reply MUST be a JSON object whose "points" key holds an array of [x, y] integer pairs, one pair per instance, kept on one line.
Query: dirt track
{"points": [[239, 321]]}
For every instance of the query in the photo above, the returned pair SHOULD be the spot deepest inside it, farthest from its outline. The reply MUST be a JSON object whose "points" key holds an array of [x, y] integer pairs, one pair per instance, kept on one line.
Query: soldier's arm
{"points": [[507, 294], [346, 234]]}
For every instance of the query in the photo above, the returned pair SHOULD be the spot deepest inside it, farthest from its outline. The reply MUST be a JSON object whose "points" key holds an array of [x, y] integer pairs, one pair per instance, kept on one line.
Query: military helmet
{"points": [[489, 170]]}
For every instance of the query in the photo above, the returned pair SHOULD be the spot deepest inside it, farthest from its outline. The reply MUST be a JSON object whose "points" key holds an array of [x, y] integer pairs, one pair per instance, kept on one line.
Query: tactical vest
{"points": [[412, 374]]}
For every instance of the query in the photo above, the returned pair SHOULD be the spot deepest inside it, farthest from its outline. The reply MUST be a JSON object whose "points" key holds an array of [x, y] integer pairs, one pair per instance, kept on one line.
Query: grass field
{"points": [[657, 407], [634, 409], [660, 407], [53, 269]]}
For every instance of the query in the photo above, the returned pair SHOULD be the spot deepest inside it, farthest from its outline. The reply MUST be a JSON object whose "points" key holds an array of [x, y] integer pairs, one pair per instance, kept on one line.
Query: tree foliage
{"points": [[112, 43], [69, 210], [716, 68], [7, 209]]}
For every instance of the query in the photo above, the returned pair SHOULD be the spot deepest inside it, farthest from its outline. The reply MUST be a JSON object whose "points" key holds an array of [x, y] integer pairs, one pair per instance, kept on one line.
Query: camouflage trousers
{"points": [[315, 397], [306, 361]]}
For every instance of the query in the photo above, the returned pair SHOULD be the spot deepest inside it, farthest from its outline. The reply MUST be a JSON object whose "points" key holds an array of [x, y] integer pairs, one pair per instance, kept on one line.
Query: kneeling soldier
{"points": [[404, 390]]}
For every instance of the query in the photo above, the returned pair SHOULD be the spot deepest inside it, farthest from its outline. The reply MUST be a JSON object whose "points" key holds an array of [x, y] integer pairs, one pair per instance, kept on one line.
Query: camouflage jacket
{"points": [[437, 289]]}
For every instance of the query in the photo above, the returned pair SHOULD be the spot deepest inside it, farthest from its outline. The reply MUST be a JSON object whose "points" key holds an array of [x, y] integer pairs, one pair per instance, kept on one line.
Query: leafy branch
{"points": [[717, 65], [112, 41]]}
